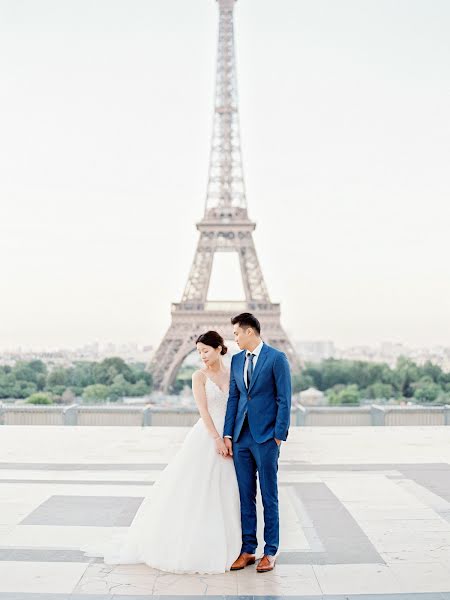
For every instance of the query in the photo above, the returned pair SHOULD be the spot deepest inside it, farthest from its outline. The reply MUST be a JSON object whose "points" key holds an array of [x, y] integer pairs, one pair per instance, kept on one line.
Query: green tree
{"points": [[120, 387], [301, 382], [81, 375], [314, 372], [105, 371], [58, 376], [140, 388], [407, 372], [7, 384], [426, 390], [142, 375], [32, 372], [344, 395], [23, 389], [378, 391], [434, 372], [96, 393], [39, 398]]}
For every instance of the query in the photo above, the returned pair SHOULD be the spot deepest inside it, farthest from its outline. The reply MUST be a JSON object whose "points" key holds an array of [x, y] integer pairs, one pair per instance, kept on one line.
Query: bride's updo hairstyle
{"points": [[213, 339]]}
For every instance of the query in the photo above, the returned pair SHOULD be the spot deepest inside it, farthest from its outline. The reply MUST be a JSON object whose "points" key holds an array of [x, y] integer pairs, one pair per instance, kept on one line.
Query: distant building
{"points": [[312, 397], [315, 350]]}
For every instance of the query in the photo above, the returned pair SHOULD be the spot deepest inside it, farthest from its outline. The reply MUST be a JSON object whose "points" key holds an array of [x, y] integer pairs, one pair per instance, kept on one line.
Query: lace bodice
{"points": [[217, 403]]}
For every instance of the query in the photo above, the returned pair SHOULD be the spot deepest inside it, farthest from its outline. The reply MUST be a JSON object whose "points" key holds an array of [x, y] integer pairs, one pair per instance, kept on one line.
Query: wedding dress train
{"points": [[190, 522]]}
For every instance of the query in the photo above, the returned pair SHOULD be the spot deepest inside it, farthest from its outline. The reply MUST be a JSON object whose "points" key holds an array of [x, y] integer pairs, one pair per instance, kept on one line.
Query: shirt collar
{"points": [[257, 350]]}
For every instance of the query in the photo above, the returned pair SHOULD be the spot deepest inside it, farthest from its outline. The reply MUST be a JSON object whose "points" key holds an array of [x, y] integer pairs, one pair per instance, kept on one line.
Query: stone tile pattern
{"points": [[374, 531]]}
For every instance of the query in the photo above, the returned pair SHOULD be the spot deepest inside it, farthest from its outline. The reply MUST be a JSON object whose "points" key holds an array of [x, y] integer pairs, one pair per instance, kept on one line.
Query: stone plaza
{"points": [[365, 513]]}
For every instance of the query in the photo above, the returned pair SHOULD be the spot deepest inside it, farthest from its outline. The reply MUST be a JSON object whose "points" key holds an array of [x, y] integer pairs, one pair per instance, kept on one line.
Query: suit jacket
{"points": [[267, 402]]}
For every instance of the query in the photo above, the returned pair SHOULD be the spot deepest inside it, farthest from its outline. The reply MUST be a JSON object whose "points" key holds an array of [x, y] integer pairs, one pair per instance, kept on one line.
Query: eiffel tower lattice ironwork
{"points": [[225, 227]]}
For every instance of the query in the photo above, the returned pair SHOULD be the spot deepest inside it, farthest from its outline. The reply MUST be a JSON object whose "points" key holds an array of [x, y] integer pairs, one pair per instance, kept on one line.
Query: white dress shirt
{"points": [[256, 352]]}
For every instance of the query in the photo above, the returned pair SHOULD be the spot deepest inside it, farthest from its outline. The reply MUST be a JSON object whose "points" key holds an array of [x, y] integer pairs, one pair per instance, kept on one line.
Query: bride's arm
{"points": [[198, 389]]}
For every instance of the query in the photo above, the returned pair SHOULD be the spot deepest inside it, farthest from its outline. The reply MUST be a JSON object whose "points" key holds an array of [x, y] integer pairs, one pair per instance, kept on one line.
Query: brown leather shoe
{"points": [[267, 563], [243, 561]]}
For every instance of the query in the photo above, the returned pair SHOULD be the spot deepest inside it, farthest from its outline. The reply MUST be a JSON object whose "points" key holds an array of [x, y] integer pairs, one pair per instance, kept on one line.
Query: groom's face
{"points": [[242, 337]]}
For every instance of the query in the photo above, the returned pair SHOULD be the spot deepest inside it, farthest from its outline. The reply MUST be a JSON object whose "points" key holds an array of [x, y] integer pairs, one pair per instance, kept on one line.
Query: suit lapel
{"points": [[259, 365], [239, 374]]}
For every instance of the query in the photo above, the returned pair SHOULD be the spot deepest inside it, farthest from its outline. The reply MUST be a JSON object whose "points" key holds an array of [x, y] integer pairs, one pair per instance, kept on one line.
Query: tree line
{"points": [[109, 379], [350, 381], [343, 381]]}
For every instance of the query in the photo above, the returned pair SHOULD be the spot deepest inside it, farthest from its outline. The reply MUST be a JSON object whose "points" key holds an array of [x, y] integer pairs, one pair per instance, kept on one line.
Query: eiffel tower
{"points": [[225, 227]]}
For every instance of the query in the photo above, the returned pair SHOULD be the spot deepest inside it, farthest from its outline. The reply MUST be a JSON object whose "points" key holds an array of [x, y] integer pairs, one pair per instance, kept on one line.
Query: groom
{"points": [[257, 419]]}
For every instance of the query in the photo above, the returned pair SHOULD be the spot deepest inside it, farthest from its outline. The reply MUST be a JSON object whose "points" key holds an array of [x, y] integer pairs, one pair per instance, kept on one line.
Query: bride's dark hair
{"points": [[213, 339]]}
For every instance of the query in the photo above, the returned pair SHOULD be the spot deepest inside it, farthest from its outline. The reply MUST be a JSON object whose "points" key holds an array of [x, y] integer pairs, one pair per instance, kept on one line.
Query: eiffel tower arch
{"points": [[225, 227]]}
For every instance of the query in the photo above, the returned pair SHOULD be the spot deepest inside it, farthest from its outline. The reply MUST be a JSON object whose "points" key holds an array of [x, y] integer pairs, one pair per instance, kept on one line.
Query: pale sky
{"points": [[105, 124]]}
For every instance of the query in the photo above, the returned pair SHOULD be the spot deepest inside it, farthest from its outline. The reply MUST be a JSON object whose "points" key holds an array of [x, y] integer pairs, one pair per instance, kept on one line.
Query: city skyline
{"points": [[309, 351], [106, 129], [327, 345]]}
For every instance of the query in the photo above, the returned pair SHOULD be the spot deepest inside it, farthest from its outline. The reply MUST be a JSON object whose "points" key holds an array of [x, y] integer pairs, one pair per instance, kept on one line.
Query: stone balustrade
{"points": [[128, 415]]}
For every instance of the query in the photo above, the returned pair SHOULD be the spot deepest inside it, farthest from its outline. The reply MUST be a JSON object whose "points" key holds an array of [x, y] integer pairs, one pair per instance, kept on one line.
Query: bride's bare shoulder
{"points": [[198, 375]]}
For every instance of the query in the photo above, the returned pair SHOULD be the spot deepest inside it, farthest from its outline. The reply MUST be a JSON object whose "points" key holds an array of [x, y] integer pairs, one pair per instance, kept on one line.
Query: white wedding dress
{"points": [[190, 522]]}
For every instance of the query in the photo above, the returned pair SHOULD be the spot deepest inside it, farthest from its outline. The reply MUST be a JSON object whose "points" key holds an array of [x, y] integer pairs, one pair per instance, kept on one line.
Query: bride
{"points": [[191, 521]]}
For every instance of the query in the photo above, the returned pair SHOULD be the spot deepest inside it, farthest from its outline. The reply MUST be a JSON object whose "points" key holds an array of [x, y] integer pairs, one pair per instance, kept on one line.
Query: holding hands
{"points": [[229, 445], [224, 446], [221, 447]]}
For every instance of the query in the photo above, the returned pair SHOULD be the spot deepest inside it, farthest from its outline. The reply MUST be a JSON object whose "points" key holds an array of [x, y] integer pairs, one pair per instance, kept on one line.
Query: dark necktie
{"points": [[249, 368]]}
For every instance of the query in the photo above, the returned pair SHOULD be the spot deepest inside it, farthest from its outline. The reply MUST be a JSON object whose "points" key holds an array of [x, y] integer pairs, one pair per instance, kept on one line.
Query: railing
{"points": [[310, 416], [333, 416], [232, 306], [373, 414]]}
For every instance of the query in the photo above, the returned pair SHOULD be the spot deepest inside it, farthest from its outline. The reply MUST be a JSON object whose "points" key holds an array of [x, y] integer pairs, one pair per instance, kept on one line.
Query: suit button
{"points": [[249, 397]]}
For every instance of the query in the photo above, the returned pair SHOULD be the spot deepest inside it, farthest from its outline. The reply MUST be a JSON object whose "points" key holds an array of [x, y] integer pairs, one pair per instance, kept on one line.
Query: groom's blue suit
{"points": [[254, 418]]}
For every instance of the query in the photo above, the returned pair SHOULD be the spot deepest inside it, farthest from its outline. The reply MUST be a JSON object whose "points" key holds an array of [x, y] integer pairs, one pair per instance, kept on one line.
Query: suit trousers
{"points": [[251, 458]]}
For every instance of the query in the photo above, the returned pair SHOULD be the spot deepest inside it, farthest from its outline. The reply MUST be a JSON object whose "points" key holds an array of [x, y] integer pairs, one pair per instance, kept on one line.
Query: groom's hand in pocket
{"points": [[229, 445], [278, 442]]}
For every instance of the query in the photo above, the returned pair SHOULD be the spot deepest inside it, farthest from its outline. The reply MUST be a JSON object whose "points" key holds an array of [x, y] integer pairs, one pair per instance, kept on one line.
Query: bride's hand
{"points": [[220, 447]]}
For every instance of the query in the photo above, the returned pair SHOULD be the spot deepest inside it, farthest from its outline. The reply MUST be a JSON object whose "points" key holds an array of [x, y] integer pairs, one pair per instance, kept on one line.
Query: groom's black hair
{"points": [[247, 320]]}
